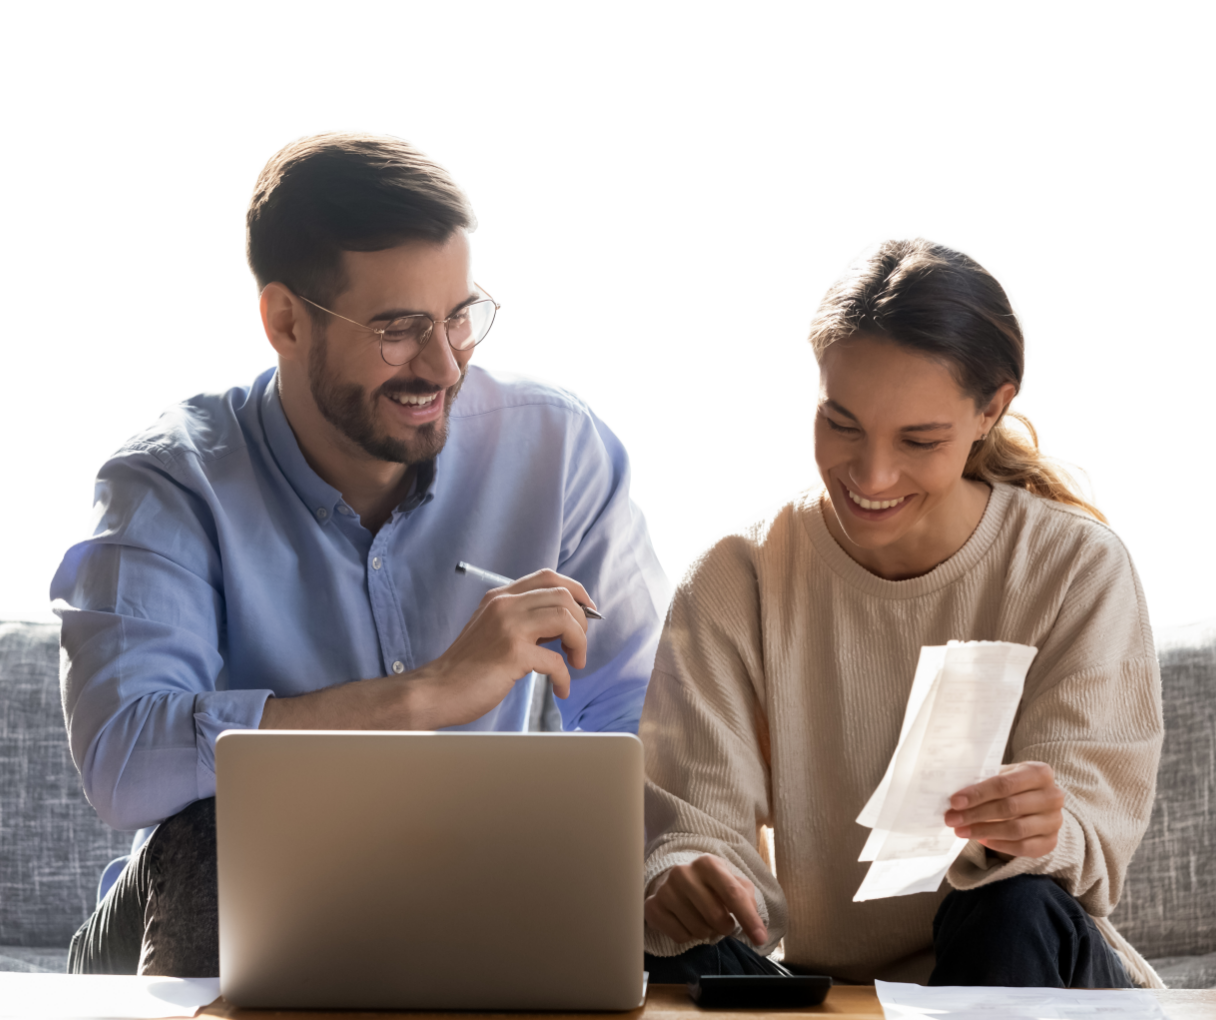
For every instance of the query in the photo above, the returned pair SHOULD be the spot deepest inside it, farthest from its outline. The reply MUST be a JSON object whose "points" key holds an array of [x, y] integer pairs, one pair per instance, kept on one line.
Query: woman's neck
{"points": [[932, 541]]}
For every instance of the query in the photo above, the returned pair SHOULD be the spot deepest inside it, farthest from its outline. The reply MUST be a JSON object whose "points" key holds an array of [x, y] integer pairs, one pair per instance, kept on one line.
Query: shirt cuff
{"points": [[218, 711]]}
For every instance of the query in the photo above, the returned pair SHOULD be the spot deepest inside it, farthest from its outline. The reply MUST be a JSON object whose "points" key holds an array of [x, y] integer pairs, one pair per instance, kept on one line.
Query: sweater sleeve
{"points": [[1092, 711], [703, 728]]}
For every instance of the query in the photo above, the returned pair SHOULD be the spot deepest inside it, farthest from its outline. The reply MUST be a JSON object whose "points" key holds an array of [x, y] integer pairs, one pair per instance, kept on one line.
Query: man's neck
{"points": [[371, 488]]}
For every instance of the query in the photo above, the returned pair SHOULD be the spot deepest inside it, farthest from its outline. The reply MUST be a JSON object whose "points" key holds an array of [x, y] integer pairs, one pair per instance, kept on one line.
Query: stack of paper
{"points": [[911, 1002], [47, 996], [960, 711]]}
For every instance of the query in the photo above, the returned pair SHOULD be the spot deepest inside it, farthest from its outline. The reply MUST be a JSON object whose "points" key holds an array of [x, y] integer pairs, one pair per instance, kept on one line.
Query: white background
{"points": [[665, 191]]}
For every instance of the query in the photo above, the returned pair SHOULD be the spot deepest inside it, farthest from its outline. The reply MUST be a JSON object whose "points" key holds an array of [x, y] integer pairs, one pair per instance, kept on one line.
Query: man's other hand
{"points": [[1018, 813], [702, 900], [501, 644]]}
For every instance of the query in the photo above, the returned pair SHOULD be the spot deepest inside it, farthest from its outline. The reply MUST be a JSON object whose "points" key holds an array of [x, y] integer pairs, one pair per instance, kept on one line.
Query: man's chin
{"points": [[425, 443]]}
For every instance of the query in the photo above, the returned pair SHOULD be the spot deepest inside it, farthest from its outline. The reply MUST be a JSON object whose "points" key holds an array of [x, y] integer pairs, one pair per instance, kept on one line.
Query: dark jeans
{"points": [[1025, 931], [162, 915]]}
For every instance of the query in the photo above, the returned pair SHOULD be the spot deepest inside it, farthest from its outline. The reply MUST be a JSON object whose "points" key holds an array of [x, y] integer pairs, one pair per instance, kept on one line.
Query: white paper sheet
{"points": [[53, 996], [908, 1002], [960, 710]]}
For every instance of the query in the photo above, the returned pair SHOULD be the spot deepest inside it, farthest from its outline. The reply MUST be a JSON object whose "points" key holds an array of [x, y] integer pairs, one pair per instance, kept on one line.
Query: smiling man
{"points": [[282, 555]]}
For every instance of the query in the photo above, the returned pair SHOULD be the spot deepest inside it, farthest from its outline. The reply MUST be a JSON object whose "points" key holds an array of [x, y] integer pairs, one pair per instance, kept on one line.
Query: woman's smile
{"points": [[872, 509]]}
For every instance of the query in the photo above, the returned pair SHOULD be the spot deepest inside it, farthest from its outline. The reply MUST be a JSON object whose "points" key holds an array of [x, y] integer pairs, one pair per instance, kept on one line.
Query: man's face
{"points": [[397, 414]]}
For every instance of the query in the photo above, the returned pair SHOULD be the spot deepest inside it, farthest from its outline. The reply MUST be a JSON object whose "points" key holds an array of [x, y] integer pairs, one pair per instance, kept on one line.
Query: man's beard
{"points": [[348, 408]]}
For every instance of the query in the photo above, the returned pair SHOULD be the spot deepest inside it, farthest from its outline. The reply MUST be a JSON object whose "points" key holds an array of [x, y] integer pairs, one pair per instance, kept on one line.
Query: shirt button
{"points": [[398, 666], [322, 513], [376, 566], [344, 511]]}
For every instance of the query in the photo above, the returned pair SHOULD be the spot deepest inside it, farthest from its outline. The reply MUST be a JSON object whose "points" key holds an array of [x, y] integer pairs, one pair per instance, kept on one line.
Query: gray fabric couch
{"points": [[53, 847]]}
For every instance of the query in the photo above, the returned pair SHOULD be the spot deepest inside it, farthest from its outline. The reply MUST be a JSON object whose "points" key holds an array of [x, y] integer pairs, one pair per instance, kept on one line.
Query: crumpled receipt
{"points": [[960, 711]]}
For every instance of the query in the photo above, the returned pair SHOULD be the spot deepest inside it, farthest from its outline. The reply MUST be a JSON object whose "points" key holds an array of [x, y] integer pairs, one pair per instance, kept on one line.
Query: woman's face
{"points": [[892, 434]]}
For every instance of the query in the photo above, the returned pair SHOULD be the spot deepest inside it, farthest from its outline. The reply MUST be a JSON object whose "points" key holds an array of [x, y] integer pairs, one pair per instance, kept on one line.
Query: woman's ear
{"points": [[997, 406], [287, 325]]}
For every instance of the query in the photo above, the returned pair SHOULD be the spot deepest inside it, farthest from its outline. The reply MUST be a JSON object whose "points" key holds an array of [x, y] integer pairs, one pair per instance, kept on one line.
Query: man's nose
{"points": [[436, 362]]}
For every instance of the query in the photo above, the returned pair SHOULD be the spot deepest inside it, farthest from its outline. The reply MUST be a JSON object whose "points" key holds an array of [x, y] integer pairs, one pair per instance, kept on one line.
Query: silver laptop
{"points": [[430, 870]]}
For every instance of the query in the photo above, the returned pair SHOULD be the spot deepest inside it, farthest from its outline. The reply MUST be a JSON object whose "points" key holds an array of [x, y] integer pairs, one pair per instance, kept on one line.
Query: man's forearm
{"points": [[383, 703]]}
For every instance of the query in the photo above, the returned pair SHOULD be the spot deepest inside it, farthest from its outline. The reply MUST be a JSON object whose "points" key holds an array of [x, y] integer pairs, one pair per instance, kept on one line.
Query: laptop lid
{"points": [[430, 870]]}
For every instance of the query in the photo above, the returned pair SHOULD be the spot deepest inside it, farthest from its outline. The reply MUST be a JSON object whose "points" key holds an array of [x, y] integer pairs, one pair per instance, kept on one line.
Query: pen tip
{"points": [[460, 567]]}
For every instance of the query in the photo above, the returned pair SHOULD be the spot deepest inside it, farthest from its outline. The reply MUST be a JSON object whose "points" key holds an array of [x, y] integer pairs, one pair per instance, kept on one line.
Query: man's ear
{"points": [[287, 323], [997, 406]]}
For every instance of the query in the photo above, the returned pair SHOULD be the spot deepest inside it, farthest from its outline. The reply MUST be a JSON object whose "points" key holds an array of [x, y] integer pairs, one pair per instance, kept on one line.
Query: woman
{"points": [[789, 652]]}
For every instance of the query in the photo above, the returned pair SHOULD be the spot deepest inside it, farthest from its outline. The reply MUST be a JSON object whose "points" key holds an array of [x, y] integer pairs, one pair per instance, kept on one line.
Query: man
{"points": [[282, 556]]}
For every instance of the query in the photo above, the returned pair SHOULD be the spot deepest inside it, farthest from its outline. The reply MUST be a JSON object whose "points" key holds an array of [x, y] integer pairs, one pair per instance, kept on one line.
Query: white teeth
{"points": [[871, 504], [414, 399]]}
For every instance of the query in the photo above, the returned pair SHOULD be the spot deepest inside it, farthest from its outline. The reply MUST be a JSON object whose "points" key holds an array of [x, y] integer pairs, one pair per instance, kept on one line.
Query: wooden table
{"points": [[671, 1002]]}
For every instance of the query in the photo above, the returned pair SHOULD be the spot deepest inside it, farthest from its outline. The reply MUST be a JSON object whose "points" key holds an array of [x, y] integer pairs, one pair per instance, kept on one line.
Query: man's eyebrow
{"points": [[397, 313]]}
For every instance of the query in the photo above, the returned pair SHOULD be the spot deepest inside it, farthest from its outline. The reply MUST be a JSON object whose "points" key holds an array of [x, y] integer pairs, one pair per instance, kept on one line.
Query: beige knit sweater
{"points": [[779, 689]]}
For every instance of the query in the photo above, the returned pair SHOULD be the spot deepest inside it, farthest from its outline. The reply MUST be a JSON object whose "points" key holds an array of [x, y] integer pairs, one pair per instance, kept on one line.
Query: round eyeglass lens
{"points": [[469, 326], [403, 338]]}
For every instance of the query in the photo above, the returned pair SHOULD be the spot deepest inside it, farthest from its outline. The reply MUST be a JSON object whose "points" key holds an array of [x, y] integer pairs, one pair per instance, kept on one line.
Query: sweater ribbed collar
{"points": [[945, 573]]}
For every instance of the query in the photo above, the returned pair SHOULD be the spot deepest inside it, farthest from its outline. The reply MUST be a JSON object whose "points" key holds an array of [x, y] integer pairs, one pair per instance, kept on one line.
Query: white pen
{"points": [[498, 580]]}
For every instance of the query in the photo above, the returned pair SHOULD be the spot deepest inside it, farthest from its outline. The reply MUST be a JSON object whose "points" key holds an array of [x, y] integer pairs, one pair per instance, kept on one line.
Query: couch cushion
{"points": [[42, 960], [53, 846], [1187, 971], [1168, 907]]}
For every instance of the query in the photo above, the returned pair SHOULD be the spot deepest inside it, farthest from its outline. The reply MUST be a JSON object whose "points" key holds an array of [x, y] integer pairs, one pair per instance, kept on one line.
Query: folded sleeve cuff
{"points": [[215, 712]]}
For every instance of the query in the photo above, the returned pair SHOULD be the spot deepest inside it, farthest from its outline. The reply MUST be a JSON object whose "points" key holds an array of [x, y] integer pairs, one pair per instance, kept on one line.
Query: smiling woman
{"points": [[920, 354], [789, 650]]}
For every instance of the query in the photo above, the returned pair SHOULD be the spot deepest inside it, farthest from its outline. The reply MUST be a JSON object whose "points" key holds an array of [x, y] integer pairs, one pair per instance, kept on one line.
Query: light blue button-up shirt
{"points": [[223, 569]]}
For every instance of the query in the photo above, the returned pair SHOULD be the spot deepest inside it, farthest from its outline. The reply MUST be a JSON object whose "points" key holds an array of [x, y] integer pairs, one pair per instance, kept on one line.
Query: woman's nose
{"points": [[874, 470]]}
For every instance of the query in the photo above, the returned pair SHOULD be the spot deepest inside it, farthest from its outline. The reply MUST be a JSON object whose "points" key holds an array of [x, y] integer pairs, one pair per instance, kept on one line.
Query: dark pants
{"points": [[1024, 931], [162, 915]]}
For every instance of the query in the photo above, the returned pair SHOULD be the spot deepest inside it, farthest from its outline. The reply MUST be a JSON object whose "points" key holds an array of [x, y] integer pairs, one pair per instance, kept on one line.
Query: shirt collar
{"points": [[321, 498]]}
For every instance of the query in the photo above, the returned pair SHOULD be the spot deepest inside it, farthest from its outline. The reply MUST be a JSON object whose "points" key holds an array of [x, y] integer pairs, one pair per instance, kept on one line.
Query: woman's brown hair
{"points": [[940, 302]]}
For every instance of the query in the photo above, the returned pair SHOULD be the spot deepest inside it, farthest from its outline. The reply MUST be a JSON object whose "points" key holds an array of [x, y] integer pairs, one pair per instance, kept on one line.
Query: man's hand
{"points": [[697, 901], [499, 645], [1018, 812], [502, 644]]}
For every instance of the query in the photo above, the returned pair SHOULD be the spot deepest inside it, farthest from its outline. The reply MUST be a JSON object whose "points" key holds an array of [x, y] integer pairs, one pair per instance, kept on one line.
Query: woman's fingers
{"points": [[738, 896], [1032, 803], [1027, 827], [1020, 777], [697, 901], [663, 920]]}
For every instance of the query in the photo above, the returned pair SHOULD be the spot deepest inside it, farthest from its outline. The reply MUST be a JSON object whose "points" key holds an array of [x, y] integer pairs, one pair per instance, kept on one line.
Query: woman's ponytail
{"points": [[1012, 456]]}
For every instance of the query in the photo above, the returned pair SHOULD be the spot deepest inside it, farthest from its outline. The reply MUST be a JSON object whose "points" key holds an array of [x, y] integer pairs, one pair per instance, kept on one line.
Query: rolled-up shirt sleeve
{"points": [[142, 668]]}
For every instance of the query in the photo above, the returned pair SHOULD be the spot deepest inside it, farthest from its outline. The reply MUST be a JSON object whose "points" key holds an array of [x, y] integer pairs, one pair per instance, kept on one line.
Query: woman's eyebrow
{"points": [[839, 409], [933, 426]]}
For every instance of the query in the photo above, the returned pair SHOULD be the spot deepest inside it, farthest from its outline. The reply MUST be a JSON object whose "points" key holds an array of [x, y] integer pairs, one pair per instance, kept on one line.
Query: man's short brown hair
{"points": [[323, 195]]}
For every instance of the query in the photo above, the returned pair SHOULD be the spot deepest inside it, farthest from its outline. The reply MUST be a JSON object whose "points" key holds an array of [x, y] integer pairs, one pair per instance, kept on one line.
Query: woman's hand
{"points": [[697, 901], [1018, 812]]}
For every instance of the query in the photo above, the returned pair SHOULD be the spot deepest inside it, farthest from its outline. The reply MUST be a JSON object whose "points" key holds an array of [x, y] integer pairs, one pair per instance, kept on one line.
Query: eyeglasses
{"points": [[402, 340]]}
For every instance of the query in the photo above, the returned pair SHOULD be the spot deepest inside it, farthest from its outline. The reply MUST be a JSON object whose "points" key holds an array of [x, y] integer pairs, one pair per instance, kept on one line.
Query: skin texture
{"points": [[336, 391], [875, 400]]}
